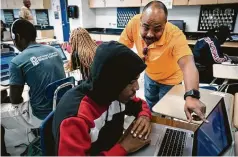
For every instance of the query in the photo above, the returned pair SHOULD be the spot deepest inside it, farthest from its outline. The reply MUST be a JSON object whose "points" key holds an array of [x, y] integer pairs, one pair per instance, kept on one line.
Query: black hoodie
{"points": [[89, 119]]}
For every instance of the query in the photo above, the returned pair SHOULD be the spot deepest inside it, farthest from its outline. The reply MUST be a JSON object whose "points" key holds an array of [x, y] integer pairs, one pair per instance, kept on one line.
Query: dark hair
{"points": [[158, 5], [221, 32], [25, 29]]}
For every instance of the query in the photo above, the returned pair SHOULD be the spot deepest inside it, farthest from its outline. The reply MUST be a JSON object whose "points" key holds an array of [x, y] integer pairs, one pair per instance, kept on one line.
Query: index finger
{"points": [[201, 115], [138, 121]]}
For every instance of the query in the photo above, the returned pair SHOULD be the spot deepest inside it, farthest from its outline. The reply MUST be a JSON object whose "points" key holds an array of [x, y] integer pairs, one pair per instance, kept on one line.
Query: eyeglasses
{"points": [[145, 53]]}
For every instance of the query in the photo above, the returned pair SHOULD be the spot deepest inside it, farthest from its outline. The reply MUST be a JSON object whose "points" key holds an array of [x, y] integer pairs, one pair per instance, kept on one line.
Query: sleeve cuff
{"points": [[143, 113], [117, 150]]}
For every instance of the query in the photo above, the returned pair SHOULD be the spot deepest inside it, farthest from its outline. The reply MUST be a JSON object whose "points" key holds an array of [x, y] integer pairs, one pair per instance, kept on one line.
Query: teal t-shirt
{"points": [[38, 65]]}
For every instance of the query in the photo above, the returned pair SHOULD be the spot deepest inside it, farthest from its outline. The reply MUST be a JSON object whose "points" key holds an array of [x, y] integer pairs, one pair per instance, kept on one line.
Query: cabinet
{"points": [[97, 3], [40, 4], [4, 4], [144, 2], [227, 1], [202, 2], [123, 3], [45, 34], [17, 4], [180, 2]]}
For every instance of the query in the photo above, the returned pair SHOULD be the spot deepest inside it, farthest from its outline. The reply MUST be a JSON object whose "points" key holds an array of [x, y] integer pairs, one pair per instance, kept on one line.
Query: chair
{"points": [[57, 89], [54, 92], [47, 144]]}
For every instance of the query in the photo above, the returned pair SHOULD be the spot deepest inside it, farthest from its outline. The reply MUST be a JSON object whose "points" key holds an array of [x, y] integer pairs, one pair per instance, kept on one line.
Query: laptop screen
{"points": [[58, 47], [213, 138]]}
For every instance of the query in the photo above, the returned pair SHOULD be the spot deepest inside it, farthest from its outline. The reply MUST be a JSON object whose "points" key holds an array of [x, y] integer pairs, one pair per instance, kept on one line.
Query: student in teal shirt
{"points": [[37, 66]]}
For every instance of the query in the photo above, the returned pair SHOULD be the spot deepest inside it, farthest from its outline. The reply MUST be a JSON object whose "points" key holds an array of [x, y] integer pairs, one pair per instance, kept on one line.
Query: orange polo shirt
{"points": [[163, 55]]}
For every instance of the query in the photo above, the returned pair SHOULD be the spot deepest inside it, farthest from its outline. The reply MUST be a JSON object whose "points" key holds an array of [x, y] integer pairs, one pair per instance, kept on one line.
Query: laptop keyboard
{"points": [[173, 143]]}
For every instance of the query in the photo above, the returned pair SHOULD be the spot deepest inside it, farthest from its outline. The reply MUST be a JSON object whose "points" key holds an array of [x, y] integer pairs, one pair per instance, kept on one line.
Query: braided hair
{"points": [[84, 49]]}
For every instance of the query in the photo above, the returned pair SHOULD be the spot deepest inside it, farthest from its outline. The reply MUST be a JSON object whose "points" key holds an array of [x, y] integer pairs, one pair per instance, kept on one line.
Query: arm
{"points": [[217, 57], [16, 84], [16, 94], [75, 139], [142, 126], [138, 107], [190, 72], [183, 55]]}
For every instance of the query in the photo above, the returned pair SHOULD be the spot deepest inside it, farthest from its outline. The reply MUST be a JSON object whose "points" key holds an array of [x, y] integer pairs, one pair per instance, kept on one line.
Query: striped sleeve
{"points": [[215, 55]]}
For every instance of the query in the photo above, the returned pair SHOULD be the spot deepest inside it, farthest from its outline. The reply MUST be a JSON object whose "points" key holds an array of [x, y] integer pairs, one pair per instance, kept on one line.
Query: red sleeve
{"points": [[145, 108], [75, 139]]}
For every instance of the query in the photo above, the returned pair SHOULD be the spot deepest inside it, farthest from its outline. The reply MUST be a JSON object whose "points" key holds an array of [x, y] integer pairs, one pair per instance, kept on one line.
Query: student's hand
{"points": [[132, 144], [142, 127], [196, 106]]}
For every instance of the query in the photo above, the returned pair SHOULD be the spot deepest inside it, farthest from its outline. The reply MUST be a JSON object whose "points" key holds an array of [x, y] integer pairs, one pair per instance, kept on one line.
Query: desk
{"points": [[226, 44], [174, 123], [172, 104]]}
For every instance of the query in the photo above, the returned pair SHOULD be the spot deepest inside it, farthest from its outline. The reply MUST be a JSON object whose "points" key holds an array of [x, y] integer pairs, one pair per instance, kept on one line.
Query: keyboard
{"points": [[173, 143]]}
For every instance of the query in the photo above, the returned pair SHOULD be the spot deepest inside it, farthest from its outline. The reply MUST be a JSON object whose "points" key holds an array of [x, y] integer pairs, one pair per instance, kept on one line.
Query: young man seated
{"points": [[37, 66], [89, 118]]}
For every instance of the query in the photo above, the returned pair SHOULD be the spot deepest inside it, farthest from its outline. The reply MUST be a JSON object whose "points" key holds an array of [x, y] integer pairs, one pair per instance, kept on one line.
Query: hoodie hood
{"points": [[113, 68]]}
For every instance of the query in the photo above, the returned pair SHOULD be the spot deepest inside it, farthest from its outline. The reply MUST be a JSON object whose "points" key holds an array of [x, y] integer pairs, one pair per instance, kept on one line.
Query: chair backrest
{"points": [[57, 89], [47, 138]]}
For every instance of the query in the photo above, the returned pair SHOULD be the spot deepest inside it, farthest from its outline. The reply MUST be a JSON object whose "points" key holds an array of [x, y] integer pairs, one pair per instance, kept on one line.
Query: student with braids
{"points": [[83, 51]]}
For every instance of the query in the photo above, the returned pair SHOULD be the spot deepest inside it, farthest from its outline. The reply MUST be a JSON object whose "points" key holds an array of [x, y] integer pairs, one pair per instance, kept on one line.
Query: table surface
{"points": [[175, 123], [172, 104]]}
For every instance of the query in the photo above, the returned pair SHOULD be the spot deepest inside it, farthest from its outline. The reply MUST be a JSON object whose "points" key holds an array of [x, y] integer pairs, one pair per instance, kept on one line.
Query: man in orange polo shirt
{"points": [[169, 60]]}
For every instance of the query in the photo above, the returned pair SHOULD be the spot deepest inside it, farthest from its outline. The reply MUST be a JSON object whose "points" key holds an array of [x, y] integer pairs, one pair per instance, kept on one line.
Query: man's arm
{"points": [[16, 94], [183, 55], [191, 81], [190, 72]]}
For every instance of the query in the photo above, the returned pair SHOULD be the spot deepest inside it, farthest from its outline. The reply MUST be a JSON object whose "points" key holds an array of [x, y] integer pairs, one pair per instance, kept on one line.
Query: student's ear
{"points": [[17, 38]]}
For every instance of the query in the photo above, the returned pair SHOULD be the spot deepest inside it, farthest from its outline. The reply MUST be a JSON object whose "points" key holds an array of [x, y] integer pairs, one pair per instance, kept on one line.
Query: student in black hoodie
{"points": [[89, 118]]}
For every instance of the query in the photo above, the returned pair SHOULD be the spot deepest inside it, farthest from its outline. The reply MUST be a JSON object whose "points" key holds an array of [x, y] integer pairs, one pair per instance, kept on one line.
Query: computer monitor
{"points": [[213, 138], [60, 50], [6, 58], [179, 23]]}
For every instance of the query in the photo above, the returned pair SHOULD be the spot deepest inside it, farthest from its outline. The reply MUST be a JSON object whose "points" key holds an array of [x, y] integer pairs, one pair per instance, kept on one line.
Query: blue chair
{"points": [[46, 136], [57, 89], [54, 92]]}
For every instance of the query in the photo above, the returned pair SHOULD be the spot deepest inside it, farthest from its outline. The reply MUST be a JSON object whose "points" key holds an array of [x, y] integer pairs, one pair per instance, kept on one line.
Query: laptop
{"points": [[60, 50], [6, 58], [210, 139]]}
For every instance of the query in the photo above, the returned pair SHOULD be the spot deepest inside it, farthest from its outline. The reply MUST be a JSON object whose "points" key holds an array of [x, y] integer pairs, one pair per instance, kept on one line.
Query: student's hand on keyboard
{"points": [[142, 127], [130, 143]]}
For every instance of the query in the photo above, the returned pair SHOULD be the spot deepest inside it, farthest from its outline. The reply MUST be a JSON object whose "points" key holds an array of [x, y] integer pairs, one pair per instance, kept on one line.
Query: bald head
{"points": [[153, 21], [156, 5], [27, 3]]}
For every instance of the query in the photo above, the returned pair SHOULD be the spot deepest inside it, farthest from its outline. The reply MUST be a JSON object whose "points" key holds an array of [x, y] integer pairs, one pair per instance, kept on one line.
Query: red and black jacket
{"points": [[89, 119]]}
